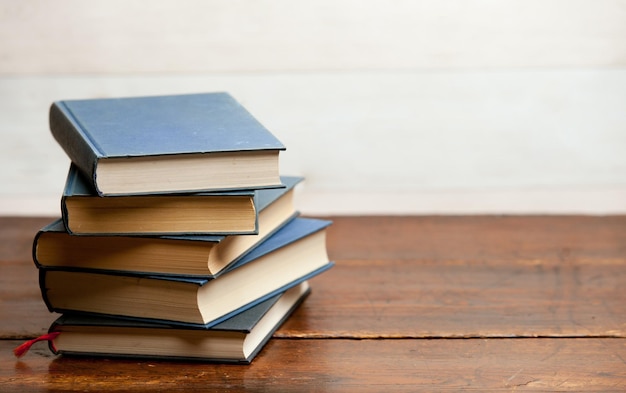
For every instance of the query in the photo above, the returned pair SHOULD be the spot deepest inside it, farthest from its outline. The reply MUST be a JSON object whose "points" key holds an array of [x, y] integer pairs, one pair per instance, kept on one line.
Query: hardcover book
{"points": [[161, 144], [187, 255], [238, 339], [290, 256], [217, 213]]}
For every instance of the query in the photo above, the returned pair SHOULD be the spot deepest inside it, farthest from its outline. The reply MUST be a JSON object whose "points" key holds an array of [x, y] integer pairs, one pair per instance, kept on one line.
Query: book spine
{"points": [[74, 140], [67, 191], [51, 346], [65, 215], [44, 291], [35, 243]]}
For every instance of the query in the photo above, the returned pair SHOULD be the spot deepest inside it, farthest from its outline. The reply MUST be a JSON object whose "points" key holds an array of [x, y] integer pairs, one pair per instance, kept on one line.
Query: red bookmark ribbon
{"points": [[22, 349]]}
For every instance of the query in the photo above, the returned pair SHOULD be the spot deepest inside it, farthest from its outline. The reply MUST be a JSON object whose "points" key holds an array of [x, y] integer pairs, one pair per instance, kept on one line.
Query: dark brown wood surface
{"points": [[414, 303]]}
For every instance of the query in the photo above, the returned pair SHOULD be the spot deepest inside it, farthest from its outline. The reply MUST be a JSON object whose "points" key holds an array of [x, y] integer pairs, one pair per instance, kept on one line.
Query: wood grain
{"points": [[495, 240], [421, 277], [391, 299], [344, 365], [485, 303], [470, 277]]}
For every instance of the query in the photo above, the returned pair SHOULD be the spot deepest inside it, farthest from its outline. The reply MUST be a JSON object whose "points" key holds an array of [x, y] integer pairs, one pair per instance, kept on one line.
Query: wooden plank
{"points": [[24, 313], [474, 276], [333, 365], [480, 239], [470, 276], [283, 35], [16, 238], [377, 321], [407, 298]]}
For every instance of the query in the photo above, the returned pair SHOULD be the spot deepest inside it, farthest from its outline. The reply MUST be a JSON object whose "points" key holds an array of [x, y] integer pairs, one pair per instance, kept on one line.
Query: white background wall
{"points": [[425, 106]]}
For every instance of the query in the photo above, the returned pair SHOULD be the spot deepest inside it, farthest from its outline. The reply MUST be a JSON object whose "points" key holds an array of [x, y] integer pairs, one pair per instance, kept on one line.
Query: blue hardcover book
{"points": [[188, 255], [290, 256], [238, 339], [162, 144], [217, 213]]}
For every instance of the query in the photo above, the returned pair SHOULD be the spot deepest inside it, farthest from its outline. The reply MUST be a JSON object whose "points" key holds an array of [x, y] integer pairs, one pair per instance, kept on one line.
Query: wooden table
{"points": [[414, 303]]}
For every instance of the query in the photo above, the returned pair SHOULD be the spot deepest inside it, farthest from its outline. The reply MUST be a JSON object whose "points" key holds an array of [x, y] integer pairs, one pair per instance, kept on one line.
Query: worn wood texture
{"points": [[23, 312], [334, 365], [414, 303], [470, 277]]}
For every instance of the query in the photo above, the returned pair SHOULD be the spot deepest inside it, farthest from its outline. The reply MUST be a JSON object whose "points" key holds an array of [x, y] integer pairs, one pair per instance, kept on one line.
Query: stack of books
{"points": [[178, 236]]}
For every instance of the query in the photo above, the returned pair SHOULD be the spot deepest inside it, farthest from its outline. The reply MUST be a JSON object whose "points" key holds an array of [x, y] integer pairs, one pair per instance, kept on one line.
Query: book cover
{"points": [[171, 143], [188, 255], [218, 213], [237, 339], [293, 254]]}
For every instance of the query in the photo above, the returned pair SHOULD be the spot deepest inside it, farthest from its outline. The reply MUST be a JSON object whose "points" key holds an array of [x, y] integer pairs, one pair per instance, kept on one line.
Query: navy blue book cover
{"points": [[77, 186], [264, 198], [155, 126], [243, 322], [174, 124], [293, 231], [194, 281]]}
